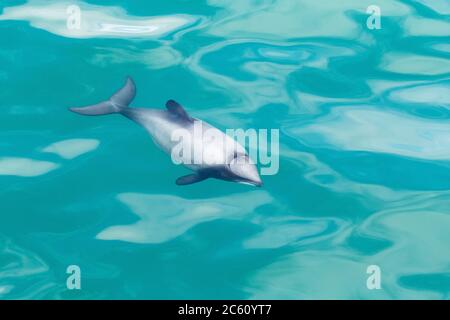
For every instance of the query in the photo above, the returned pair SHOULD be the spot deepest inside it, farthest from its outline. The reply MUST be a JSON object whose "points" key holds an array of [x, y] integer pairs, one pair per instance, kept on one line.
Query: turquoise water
{"points": [[364, 175]]}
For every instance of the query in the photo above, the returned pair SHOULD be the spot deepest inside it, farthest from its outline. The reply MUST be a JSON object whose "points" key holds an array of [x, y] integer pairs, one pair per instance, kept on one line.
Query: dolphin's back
{"points": [[160, 124]]}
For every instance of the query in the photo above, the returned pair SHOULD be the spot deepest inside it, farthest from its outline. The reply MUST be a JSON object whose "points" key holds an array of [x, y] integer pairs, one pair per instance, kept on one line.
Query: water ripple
{"points": [[364, 150], [369, 129], [164, 217]]}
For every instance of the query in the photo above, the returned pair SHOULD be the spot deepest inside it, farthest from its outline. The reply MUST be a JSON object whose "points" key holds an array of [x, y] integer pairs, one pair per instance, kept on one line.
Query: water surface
{"points": [[364, 179]]}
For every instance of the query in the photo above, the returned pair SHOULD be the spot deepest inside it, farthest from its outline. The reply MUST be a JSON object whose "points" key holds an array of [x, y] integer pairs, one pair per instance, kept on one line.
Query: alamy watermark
{"points": [[374, 279], [74, 17], [73, 281], [210, 146], [374, 20]]}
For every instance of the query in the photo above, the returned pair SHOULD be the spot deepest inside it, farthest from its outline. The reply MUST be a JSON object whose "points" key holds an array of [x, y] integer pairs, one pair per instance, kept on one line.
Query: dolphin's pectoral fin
{"points": [[176, 109], [190, 179]]}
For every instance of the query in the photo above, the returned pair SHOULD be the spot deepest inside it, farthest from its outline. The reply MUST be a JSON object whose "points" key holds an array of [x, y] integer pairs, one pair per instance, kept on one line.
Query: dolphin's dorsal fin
{"points": [[176, 109], [191, 178]]}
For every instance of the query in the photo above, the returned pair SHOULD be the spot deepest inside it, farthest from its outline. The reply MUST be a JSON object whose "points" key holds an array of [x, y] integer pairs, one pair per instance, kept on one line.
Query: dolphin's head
{"points": [[243, 170]]}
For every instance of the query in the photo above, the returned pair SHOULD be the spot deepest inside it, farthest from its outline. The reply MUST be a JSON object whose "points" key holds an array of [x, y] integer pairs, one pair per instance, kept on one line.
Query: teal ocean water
{"points": [[364, 171]]}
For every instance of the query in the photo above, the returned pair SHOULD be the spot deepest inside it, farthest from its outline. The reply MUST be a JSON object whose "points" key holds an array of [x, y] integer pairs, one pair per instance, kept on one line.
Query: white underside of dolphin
{"points": [[161, 125]]}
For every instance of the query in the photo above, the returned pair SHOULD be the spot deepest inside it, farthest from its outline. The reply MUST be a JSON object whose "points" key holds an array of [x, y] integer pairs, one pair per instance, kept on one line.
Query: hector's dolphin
{"points": [[163, 124]]}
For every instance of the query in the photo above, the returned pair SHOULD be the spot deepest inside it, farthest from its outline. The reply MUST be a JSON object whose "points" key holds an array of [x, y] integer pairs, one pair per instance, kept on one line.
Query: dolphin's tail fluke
{"points": [[116, 104]]}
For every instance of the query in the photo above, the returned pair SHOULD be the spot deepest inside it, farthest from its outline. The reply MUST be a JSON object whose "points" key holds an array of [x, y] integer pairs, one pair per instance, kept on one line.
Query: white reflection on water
{"points": [[368, 129], [5, 289], [420, 26], [279, 233], [118, 28], [437, 94], [165, 217], [415, 64], [72, 148], [444, 47], [24, 167], [439, 6], [96, 21], [157, 58]]}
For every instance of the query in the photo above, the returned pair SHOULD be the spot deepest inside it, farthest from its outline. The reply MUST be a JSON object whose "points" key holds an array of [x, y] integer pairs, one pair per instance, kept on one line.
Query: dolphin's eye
{"points": [[233, 160], [239, 156]]}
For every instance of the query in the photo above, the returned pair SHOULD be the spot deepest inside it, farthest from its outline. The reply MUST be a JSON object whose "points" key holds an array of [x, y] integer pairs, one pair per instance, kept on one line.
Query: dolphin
{"points": [[161, 125]]}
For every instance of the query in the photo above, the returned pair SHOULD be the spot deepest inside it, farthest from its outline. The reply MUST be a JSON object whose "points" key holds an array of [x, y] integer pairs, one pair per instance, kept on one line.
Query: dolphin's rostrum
{"points": [[161, 125]]}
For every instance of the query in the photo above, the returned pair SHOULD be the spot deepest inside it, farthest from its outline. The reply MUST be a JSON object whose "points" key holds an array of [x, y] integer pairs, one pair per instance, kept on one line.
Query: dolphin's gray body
{"points": [[161, 124]]}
